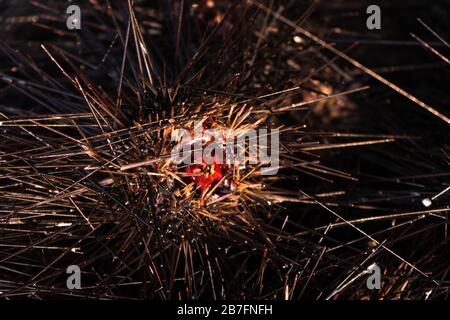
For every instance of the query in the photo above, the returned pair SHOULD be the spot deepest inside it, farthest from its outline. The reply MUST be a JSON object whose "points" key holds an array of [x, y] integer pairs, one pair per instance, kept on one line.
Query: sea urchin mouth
{"points": [[205, 175]]}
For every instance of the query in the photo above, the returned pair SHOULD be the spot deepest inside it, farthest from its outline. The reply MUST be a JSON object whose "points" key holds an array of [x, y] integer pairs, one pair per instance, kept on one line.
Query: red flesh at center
{"points": [[205, 175]]}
